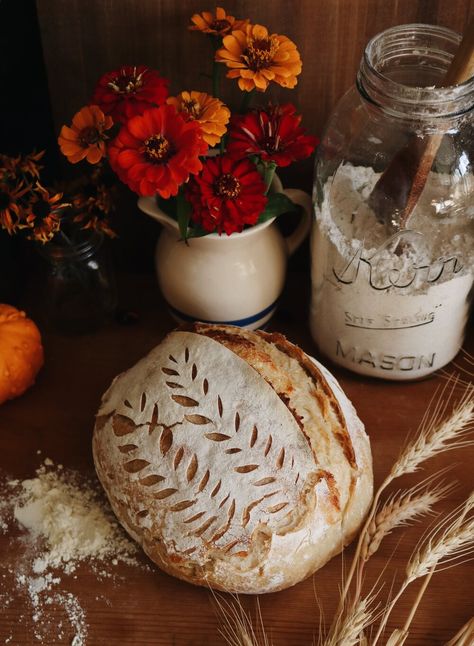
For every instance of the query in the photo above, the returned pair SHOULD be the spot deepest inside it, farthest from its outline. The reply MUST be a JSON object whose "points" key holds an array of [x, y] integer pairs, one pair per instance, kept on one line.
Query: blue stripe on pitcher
{"points": [[238, 322]]}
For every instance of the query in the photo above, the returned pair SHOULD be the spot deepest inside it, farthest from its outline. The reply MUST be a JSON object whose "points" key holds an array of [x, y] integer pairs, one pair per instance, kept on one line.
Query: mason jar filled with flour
{"points": [[393, 238]]}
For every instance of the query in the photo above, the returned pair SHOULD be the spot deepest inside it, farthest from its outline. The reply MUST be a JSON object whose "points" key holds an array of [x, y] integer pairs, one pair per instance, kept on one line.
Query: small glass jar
{"points": [[390, 299], [80, 291]]}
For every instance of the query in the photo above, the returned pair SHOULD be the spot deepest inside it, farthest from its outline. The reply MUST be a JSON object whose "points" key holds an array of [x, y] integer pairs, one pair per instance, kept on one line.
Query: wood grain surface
{"points": [[140, 607], [82, 39]]}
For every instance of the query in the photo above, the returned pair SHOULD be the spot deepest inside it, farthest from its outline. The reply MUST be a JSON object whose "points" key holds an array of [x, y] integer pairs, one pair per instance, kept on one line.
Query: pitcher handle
{"points": [[149, 206], [301, 198]]}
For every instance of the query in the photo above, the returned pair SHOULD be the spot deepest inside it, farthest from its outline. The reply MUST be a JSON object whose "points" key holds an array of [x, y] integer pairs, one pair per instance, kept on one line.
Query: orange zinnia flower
{"points": [[255, 58], [86, 138], [211, 114], [218, 25]]}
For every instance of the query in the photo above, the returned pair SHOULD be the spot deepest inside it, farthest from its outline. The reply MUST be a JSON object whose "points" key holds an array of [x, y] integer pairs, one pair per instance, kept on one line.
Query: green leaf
{"points": [[268, 175], [196, 231], [278, 203]]}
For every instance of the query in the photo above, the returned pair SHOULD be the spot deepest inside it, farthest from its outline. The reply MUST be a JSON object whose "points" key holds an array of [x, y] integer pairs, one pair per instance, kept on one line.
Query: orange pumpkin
{"points": [[21, 352]]}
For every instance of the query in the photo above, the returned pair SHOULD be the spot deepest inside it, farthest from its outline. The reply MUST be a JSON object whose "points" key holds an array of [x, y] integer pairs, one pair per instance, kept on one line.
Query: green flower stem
{"points": [[246, 101], [269, 172], [183, 212]]}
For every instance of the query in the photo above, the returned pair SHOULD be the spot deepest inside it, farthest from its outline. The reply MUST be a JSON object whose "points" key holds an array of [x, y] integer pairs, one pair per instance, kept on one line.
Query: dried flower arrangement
{"points": [[42, 213], [210, 170], [359, 620]]}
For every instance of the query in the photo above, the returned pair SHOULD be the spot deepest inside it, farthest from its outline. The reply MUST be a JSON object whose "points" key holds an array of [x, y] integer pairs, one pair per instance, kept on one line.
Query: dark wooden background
{"points": [[52, 53], [84, 38]]}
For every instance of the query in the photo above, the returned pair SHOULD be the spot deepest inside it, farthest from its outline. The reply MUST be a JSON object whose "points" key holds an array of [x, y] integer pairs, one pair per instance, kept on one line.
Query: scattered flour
{"points": [[75, 525], [393, 307], [64, 521]]}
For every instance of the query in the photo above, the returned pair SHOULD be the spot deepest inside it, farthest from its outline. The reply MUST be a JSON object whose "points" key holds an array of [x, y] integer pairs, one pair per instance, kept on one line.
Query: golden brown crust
{"points": [[248, 350], [311, 369]]}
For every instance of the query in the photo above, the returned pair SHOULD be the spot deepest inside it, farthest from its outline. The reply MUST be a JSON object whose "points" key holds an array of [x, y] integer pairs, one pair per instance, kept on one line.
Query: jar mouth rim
{"points": [[415, 94], [71, 249]]}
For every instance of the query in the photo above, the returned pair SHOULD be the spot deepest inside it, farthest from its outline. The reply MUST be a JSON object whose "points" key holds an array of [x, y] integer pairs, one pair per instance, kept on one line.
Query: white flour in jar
{"points": [[393, 308]]}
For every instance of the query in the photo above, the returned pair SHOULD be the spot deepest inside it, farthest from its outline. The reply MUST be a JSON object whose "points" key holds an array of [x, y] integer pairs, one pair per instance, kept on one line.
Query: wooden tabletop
{"points": [[145, 606]]}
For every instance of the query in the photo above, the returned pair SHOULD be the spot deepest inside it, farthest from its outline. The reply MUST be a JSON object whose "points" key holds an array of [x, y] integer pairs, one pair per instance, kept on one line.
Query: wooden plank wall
{"points": [[84, 38]]}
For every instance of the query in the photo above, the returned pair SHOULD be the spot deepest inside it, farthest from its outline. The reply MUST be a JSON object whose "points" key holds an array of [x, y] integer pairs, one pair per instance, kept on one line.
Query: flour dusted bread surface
{"points": [[233, 458]]}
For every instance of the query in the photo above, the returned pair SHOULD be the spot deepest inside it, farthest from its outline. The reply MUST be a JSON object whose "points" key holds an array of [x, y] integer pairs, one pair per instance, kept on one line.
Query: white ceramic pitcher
{"points": [[234, 280]]}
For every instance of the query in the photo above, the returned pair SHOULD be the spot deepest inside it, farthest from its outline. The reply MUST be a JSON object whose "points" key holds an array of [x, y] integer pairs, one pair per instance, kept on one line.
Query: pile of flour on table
{"points": [[61, 520]]}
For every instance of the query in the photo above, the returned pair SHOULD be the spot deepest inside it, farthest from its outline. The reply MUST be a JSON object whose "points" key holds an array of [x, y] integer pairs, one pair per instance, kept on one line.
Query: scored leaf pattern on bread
{"points": [[204, 467]]}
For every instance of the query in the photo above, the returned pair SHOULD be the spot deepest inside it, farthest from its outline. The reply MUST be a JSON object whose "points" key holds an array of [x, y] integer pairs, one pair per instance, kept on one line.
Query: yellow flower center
{"points": [[260, 52], [126, 83], [227, 186], [89, 136], [192, 107], [157, 149]]}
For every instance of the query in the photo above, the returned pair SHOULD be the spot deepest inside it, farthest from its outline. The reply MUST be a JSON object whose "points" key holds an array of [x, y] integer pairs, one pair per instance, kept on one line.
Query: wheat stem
{"points": [[236, 627], [464, 636], [387, 613], [400, 509], [434, 435], [418, 599], [449, 540]]}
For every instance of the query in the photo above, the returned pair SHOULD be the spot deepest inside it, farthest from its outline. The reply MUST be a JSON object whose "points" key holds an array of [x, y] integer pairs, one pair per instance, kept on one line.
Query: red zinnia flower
{"points": [[157, 151], [130, 90], [274, 134], [227, 195]]}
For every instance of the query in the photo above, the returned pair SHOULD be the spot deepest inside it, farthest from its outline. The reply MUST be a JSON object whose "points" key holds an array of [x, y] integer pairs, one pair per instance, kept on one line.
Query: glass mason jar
{"points": [[390, 299], [80, 289]]}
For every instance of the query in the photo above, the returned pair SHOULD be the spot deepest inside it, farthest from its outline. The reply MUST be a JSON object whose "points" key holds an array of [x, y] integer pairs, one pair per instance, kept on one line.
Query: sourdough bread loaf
{"points": [[233, 458]]}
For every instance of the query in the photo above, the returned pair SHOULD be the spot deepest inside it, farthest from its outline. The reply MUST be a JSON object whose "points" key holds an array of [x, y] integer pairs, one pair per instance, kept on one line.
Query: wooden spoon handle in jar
{"points": [[398, 190]]}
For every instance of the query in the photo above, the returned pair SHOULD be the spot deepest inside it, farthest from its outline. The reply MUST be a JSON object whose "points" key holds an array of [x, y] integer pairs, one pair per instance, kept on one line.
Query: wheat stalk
{"points": [[402, 508], [349, 628], [435, 433], [397, 638], [465, 636], [449, 541], [236, 627]]}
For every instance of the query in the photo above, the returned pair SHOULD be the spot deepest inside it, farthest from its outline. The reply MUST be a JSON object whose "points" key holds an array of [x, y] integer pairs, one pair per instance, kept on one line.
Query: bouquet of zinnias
{"points": [[210, 169]]}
